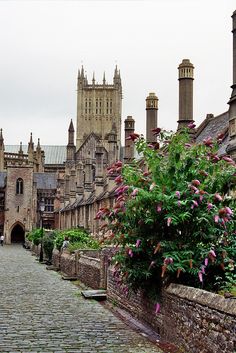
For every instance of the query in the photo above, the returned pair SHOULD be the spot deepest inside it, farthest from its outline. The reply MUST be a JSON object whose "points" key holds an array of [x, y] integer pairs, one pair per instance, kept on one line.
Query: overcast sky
{"points": [[43, 43]]}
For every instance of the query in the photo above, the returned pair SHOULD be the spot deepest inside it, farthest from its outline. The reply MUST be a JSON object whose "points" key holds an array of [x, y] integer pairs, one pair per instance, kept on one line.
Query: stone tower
{"points": [[98, 108], [129, 144], [70, 148], [186, 77], [231, 148], [151, 116]]}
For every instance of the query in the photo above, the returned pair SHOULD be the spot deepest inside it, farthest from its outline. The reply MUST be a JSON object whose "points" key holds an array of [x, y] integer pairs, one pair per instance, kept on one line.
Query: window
{"points": [[49, 205], [19, 186]]}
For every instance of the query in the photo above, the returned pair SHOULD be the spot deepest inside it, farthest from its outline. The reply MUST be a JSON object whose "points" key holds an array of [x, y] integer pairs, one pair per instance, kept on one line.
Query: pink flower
{"points": [[177, 194], [118, 179], [187, 145], [179, 203], [191, 125], [209, 206], [208, 142], [168, 260], [216, 218], [138, 242], [229, 211], [118, 164], [134, 192], [130, 253], [156, 131], [203, 269], [133, 137], [196, 182], [228, 159], [218, 197], [157, 308], [206, 261], [169, 220], [212, 253], [159, 207], [195, 204]]}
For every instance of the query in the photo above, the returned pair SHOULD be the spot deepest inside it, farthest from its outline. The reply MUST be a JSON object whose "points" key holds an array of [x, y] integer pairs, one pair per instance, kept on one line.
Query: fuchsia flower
{"points": [[212, 253], [118, 164], [169, 220], [138, 242], [216, 218], [229, 211], [206, 261], [157, 308], [187, 145], [159, 207], [179, 203]]}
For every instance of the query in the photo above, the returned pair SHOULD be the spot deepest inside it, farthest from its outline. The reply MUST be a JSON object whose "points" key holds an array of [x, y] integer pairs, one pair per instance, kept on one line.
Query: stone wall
{"points": [[69, 263], [194, 320], [199, 321]]}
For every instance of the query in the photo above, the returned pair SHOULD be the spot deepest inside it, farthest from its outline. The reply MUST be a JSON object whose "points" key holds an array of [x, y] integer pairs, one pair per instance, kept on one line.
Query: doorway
{"points": [[17, 234]]}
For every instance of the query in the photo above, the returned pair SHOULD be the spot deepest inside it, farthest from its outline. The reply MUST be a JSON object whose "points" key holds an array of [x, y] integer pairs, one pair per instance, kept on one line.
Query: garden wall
{"points": [[89, 266], [194, 320]]}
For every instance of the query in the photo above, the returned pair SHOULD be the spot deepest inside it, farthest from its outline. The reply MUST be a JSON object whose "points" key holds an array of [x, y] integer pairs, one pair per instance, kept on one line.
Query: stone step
{"points": [[97, 294]]}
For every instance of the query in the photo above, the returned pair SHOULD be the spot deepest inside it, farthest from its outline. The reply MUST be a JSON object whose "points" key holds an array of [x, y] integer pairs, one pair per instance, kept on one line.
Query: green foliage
{"points": [[48, 244], [79, 238], [36, 236], [173, 219]]}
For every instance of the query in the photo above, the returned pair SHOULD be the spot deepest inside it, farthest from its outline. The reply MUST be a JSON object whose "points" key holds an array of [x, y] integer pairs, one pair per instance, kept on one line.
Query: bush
{"points": [[173, 218], [36, 236], [78, 238], [48, 245]]}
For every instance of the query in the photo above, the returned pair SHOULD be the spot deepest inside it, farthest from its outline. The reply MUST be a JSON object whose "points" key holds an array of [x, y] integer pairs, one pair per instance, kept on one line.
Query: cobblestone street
{"points": [[39, 312]]}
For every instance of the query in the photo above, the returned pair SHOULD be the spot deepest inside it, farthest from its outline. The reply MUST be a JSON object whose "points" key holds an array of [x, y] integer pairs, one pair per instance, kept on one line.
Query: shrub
{"points": [[36, 236], [173, 219], [75, 236]]}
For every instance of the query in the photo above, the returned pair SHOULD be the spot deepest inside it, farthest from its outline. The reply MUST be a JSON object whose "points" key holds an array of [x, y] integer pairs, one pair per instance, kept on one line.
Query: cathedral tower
{"points": [[231, 148], [186, 72], [98, 108], [151, 116]]}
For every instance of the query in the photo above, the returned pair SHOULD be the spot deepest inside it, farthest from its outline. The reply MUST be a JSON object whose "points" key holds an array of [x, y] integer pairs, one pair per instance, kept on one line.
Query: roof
{"points": [[53, 154], [212, 126], [45, 180]]}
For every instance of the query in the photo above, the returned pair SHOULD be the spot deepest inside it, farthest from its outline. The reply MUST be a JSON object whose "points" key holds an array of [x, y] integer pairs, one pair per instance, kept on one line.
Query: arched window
{"points": [[19, 186]]}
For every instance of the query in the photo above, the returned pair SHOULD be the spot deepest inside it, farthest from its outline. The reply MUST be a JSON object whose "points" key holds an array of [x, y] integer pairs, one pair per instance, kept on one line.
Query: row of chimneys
{"points": [[186, 77]]}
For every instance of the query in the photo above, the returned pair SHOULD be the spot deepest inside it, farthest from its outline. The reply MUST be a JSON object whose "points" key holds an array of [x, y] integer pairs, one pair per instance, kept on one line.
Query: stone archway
{"points": [[17, 234]]}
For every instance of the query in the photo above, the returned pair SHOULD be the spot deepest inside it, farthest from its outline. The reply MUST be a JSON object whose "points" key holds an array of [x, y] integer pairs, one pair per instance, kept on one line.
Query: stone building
{"points": [[71, 182]]}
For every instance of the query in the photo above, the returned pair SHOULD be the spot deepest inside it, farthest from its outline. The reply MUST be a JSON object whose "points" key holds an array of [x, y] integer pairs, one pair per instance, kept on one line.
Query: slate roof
{"points": [[45, 180], [212, 126], [53, 154], [2, 179]]}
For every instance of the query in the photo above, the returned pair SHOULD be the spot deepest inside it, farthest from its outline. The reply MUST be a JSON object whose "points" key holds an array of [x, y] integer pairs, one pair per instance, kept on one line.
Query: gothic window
{"points": [[19, 186]]}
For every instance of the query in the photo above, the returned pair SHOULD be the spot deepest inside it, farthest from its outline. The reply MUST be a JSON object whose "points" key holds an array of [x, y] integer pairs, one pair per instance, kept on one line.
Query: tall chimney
{"points": [[129, 144], [186, 70], [231, 148], [151, 116]]}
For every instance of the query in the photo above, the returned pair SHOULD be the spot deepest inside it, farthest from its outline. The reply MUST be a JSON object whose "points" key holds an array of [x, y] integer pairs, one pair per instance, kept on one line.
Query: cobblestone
{"points": [[39, 312]]}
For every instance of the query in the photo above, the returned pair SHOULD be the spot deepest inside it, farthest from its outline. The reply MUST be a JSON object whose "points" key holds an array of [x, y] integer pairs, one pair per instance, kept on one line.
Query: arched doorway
{"points": [[17, 234]]}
